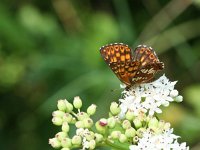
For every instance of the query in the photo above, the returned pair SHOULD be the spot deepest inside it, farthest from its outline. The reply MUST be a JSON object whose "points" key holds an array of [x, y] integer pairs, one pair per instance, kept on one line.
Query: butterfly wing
{"points": [[149, 64], [119, 58]]}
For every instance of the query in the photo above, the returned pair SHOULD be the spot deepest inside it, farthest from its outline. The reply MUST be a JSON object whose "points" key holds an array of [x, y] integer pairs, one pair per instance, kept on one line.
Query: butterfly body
{"points": [[131, 67]]}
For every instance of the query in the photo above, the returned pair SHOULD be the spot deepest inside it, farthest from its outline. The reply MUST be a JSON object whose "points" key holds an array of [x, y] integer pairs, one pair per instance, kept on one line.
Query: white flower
{"points": [[164, 141], [148, 97]]}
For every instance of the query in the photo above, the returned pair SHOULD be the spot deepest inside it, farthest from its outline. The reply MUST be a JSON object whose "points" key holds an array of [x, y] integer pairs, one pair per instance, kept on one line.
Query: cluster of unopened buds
{"points": [[127, 127]]}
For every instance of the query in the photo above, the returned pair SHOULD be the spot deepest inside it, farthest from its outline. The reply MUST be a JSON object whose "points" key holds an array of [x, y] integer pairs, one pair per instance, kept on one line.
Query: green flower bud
{"points": [[126, 124], [76, 140], [130, 115], [92, 144], [111, 122], [67, 117], [140, 132], [101, 129], [98, 137], [61, 135], [57, 121], [88, 122], [77, 102], [122, 138], [55, 143], [79, 124], [66, 142], [130, 132], [114, 108], [137, 123], [115, 134], [178, 99], [91, 109], [58, 113], [65, 127], [69, 107], [61, 105], [82, 115], [89, 136], [135, 139], [153, 123]]}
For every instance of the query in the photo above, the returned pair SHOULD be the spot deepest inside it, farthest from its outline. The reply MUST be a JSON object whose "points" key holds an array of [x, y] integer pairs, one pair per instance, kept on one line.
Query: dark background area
{"points": [[49, 50]]}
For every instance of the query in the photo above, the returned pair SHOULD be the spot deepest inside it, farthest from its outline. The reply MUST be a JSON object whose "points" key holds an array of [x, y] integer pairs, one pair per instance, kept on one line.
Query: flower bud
{"points": [[54, 142], [98, 137], [73, 121], [92, 144], [76, 140], [61, 135], [130, 132], [58, 113], [101, 129], [65, 127], [153, 123], [61, 105], [79, 124], [140, 132], [115, 134], [69, 107], [114, 108], [135, 139], [178, 99], [91, 109], [82, 115], [66, 142], [57, 121], [130, 115], [111, 122], [174, 93], [89, 136], [77, 102], [122, 138], [103, 122], [137, 123], [88, 122], [67, 117], [126, 124]]}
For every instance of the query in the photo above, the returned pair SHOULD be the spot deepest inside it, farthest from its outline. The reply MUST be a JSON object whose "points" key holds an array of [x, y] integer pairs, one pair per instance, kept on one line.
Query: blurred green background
{"points": [[49, 50]]}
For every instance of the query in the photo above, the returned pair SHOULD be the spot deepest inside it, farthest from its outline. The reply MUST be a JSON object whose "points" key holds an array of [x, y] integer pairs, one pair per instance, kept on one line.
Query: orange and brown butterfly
{"points": [[131, 67]]}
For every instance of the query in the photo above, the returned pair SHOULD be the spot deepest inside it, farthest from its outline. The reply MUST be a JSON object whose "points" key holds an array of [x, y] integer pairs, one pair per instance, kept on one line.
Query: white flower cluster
{"points": [[148, 97], [163, 141]]}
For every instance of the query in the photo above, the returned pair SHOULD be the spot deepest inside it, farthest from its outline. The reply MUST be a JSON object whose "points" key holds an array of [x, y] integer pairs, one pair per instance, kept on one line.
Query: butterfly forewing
{"points": [[131, 69], [118, 57]]}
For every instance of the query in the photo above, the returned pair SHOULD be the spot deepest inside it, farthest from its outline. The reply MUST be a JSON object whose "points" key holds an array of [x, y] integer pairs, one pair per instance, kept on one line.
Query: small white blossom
{"points": [[148, 97], [164, 141], [84, 134]]}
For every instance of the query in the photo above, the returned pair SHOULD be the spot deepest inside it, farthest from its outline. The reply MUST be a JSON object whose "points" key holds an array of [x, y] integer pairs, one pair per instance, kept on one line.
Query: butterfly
{"points": [[131, 67]]}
